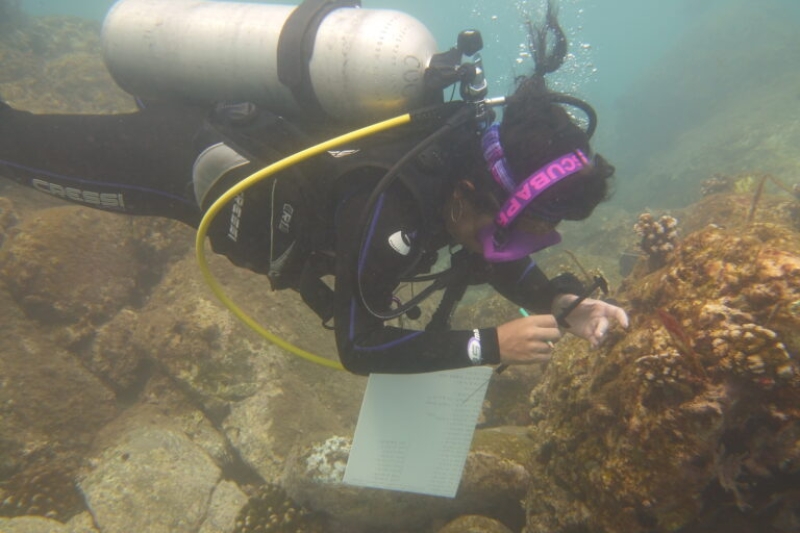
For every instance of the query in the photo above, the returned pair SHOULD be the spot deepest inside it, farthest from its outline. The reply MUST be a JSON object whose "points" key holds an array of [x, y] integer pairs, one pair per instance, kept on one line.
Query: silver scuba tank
{"points": [[364, 65]]}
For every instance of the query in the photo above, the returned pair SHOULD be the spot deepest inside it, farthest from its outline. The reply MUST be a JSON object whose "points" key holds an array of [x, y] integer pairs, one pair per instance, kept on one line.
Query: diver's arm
{"points": [[366, 344], [525, 284]]}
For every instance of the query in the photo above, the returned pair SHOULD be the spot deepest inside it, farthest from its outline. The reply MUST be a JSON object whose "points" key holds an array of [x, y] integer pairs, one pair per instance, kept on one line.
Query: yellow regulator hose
{"points": [[264, 173]]}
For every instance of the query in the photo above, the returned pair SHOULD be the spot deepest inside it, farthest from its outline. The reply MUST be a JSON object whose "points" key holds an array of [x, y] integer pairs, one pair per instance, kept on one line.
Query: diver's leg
{"points": [[138, 163]]}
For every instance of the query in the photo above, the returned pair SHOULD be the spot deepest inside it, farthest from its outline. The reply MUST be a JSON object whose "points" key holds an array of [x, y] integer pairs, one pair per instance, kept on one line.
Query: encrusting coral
{"points": [[43, 490], [270, 510]]}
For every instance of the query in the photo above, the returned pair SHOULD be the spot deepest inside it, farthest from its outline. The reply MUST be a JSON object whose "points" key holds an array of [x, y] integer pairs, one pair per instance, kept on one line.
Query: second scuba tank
{"points": [[352, 64]]}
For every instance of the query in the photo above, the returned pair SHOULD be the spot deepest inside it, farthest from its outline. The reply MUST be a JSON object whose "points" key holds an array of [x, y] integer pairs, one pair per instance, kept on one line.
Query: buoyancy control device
{"points": [[329, 58]]}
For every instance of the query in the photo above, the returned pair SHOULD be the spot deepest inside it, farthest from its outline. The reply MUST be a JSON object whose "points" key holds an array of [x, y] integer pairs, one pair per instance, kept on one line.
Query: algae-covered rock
{"points": [[50, 408], [55, 64], [474, 524], [314, 479], [8, 218], [32, 524], [493, 482], [495, 476], [198, 342], [694, 410], [61, 270], [226, 503], [150, 478]]}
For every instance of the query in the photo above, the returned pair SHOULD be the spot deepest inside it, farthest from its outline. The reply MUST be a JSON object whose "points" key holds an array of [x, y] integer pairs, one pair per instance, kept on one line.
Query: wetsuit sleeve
{"points": [[367, 344], [525, 284]]}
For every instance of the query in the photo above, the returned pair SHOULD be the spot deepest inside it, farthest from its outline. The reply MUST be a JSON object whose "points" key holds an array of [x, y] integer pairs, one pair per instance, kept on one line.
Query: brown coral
{"points": [[44, 490], [659, 237], [270, 510]]}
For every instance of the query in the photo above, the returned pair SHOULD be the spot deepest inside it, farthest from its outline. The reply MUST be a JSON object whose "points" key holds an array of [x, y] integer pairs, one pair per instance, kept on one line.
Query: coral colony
{"points": [[659, 237]]}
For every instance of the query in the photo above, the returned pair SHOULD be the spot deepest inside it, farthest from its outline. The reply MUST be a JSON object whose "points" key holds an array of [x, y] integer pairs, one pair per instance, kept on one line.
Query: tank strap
{"points": [[296, 45]]}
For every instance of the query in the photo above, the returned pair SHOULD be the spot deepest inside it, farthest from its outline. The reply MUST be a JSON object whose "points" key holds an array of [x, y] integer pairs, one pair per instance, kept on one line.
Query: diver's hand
{"points": [[591, 319], [528, 340]]}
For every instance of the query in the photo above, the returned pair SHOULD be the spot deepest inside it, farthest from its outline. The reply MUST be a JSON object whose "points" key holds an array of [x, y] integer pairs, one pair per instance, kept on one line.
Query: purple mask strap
{"points": [[544, 178], [495, 159]]}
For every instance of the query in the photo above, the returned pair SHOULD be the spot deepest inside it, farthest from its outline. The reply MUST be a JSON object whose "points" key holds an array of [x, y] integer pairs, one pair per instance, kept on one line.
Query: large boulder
{"points": [[692, 413], [150, 477], [493, 482], [50, 407]]}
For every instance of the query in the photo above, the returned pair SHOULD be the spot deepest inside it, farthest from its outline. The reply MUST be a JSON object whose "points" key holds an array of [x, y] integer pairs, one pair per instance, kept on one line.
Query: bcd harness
{"points": [[293, 247]]}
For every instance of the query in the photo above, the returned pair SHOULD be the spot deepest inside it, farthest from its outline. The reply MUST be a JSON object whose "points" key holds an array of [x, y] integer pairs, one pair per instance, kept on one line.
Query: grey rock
{"points": [[226, 502], [281, 416], [474, 524], [32, 524], [153, 479], [493, 482], [82, 523]]}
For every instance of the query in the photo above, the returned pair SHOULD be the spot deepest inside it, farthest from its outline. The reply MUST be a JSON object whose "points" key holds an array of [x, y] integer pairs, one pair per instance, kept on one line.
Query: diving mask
{"points": [[501, 241]]}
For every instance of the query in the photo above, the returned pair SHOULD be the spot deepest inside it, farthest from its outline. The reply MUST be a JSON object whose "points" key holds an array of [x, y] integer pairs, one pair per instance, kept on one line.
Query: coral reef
{"points": [[270, 510], [659, 237], [695, 410], [743, 348]]}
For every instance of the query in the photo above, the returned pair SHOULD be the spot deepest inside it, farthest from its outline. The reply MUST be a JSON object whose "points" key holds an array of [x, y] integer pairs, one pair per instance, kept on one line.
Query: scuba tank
{"points": [[326, 57]]}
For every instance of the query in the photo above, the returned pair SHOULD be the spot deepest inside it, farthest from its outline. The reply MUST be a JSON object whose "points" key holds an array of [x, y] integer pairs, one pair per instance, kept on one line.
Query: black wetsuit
{"points": [[142, 163]]}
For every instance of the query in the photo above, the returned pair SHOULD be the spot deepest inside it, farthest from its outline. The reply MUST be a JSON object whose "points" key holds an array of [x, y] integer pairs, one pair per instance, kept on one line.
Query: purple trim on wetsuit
{"points": [[362, 253], [378, 347], [530, 267], [94, 183]]}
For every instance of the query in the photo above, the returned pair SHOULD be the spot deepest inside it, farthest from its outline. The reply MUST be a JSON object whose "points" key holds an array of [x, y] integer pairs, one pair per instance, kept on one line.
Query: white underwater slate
{"points": [[414, 431]]}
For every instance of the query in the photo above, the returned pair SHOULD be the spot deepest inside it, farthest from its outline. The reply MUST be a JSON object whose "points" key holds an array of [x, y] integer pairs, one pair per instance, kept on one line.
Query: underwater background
{"points": [[130, 400]]}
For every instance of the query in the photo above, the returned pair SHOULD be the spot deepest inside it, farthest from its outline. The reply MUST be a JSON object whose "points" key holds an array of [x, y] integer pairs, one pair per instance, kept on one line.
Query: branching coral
{"points": [[659, 237]]}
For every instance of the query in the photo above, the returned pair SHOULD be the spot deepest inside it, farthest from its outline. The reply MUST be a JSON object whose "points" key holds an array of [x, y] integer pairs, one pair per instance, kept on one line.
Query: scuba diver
{"points": [[373, 213]]}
